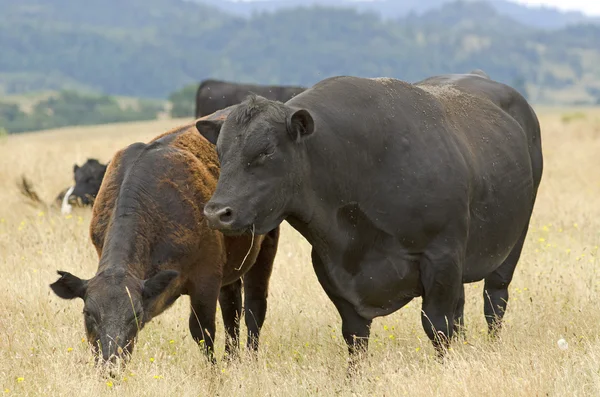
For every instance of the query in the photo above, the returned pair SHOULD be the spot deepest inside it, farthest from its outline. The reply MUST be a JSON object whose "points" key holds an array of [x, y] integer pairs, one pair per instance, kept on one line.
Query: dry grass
{"points": [[554, 294]]}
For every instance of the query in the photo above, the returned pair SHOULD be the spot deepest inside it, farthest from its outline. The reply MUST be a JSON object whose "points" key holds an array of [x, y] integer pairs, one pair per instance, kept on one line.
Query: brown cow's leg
{"points": [[202, 317], [230, 300], [256, 288]]}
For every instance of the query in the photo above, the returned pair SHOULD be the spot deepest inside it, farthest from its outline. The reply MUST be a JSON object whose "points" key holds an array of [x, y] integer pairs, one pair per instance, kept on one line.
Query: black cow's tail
{"points": [[26, 188]]}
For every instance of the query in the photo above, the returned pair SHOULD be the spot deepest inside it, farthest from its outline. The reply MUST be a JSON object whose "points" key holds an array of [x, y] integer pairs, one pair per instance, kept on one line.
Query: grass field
{"points": [[554, 295]]}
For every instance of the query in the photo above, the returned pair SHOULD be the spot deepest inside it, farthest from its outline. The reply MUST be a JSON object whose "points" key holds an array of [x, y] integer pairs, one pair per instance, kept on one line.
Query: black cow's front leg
{"points": [[355, 328], [441, 276], [230, 300]]}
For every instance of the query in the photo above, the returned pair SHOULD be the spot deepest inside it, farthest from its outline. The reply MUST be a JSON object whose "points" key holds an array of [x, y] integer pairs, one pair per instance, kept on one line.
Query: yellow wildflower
{"points": [[70, 349], [20, 379], [109, 384]]}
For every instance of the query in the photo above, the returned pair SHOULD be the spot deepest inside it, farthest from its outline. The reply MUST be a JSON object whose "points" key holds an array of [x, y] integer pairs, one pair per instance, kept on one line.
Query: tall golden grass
{"points": [[554, 295]]}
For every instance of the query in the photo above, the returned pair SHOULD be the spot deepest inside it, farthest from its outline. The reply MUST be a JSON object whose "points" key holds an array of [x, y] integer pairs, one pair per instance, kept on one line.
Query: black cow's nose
{"points": [[219, 217]]}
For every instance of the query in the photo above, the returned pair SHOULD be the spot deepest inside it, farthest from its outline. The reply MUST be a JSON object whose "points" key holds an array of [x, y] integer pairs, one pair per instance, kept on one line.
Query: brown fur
{"points": [[148, 217]]}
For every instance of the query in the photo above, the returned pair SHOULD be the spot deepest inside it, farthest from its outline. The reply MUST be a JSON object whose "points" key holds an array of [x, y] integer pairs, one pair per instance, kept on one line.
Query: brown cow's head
{"points": [[116, 306]]}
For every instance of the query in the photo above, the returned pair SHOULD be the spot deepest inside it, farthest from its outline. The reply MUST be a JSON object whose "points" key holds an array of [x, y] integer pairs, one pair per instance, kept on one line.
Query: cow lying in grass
{"points": [[154, 245], [88, 179]]}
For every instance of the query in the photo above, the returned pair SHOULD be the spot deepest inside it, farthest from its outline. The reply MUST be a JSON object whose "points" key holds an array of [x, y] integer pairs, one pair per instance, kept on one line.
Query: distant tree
{"points": [[184, 101], [10, 112], [74, 108]]}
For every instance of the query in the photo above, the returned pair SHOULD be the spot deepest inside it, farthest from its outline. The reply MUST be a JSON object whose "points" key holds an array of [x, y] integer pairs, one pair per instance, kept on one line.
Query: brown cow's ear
{"points": [[300, 125], [157, 284], [209, 129], [69, 286]]}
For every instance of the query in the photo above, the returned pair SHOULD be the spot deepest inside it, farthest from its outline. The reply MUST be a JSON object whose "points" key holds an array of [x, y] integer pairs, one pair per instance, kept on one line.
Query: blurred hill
{"points": [[150, 48], [541, 17]]}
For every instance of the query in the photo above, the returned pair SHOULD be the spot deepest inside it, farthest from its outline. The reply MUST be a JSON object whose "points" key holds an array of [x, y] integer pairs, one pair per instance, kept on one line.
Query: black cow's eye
{"points": [[266, 153]]}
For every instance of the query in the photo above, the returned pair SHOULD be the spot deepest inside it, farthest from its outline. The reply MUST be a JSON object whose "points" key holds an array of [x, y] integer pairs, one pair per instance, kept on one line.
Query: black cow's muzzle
{"points": [[219, 217]]}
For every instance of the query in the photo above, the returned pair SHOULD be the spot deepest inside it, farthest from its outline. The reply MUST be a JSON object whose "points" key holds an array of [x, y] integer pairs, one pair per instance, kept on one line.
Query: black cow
{"points": [[213, 95], [88, 179], [403, 190]]}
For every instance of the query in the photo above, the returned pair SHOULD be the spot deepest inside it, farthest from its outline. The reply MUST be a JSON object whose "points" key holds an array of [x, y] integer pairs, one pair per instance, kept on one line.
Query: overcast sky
{"points": [[591, 7]]}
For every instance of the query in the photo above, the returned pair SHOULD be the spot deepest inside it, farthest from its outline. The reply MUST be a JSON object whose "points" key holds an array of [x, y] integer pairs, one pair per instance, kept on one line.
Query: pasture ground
{"points": [[554, 295]]}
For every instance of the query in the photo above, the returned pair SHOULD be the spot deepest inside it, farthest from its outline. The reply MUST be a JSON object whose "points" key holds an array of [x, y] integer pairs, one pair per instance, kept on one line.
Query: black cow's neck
{"points": [[321, 182]]}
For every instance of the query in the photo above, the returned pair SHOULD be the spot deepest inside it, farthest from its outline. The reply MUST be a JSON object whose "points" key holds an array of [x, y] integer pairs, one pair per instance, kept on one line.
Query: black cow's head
{"points": [[88, 179], [116, 306], [262, 154]]}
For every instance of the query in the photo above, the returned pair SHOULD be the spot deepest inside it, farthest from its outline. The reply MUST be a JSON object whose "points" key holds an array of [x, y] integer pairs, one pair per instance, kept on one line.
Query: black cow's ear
{"points": [[157, 284], [209, 129], [69, 286], [75, 168], [300, 125]]}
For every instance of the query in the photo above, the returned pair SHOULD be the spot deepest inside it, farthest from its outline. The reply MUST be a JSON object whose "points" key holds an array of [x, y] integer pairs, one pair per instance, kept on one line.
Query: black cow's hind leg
{"points": [[495, 292], [459, 320], [442, 285]]}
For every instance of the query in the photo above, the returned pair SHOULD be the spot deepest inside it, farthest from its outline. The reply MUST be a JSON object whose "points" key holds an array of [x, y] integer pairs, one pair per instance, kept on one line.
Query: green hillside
{"points": [[150, 48]]}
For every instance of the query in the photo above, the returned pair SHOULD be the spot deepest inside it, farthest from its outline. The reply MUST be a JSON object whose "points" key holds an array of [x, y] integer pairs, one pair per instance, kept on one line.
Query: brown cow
{"points": [[154, 245]]}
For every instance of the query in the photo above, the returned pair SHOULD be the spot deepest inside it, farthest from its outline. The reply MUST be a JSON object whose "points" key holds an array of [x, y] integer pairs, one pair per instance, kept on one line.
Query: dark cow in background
{"points": [[88, 179], [154, 245], [213, 95], [403, 190]]}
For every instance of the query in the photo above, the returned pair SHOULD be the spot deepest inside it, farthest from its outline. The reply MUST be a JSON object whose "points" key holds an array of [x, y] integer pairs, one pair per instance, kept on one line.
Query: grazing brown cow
{"points": [[154, 245]]}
